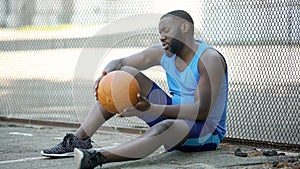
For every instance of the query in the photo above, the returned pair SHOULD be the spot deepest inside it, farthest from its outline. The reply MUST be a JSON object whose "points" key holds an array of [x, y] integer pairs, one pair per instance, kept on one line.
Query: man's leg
{"points": [[170, 133], [95, 118]]}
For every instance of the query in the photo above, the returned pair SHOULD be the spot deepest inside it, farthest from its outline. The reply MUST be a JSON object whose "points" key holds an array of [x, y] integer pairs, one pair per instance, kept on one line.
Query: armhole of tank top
{"points": [[223, 58]]}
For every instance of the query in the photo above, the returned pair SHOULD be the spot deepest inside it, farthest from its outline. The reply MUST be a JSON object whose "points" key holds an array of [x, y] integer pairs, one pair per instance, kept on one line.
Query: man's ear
{"points": [[185, 27]]}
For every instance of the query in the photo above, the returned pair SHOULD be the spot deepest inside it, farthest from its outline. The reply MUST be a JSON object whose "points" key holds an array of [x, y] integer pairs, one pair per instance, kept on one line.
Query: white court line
{"points": [[21, 134], [22, 160]]}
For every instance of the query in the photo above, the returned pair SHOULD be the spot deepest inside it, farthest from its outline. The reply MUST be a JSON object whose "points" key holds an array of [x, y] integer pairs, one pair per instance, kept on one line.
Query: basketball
{"points": [[117, 91]]}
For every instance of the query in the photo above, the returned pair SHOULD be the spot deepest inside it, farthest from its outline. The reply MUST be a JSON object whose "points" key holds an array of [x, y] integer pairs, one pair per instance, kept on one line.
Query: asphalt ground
{"points": [[21, 145]]}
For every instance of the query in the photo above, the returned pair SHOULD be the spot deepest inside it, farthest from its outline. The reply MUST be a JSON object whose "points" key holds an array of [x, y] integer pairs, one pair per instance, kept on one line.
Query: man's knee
{"points": [[133, 71], [144, 82], [171, 125], [163, 126], [172, 132]]}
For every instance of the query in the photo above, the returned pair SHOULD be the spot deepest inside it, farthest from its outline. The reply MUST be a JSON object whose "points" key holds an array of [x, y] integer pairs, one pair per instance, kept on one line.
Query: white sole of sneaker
{"points": [[78, 156], [70, 154]]}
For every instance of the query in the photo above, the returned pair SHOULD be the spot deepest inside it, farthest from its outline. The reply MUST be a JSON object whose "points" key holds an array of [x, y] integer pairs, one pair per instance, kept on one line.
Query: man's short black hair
{"points": [[181, 14]]}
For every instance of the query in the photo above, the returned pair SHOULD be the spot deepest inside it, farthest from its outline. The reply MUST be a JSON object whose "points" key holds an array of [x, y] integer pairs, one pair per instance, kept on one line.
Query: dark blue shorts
{"points": [[194, 142]]}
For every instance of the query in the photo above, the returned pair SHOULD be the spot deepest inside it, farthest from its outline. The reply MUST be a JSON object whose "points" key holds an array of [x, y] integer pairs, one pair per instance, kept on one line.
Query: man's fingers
{"points": [[104, 72], [141, 98], [120, 115]]}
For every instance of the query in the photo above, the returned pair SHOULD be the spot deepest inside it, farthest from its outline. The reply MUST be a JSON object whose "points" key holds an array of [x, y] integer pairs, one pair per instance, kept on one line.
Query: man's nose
{"points": [[162, 38]]}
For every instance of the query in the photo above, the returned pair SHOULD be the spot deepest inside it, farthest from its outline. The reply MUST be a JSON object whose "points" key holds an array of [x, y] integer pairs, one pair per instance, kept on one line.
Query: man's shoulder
{"points": [[214, 57], [212, 52]]}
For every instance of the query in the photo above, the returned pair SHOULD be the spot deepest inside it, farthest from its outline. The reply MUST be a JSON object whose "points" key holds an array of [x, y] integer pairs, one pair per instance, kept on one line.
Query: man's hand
{"points": [[141, 107], [96, 84]]}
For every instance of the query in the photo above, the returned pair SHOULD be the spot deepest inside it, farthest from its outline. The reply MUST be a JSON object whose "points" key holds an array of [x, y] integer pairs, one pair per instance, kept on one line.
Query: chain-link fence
{"points": [[47, 45]]}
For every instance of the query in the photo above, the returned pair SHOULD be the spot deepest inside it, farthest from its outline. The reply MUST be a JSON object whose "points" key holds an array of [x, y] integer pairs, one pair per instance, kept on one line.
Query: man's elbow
{"points": [[203, 112]]}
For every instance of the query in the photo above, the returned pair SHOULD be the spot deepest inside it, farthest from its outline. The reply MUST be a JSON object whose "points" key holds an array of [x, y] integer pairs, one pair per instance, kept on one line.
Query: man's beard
{"points": [[176, 46]]}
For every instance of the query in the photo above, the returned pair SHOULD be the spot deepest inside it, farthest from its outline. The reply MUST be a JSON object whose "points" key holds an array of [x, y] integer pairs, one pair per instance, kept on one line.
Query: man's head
{"points": [[175, 28], [179, 14]]}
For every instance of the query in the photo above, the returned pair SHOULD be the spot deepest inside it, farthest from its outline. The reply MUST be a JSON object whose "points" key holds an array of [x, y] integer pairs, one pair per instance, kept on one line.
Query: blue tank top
{"points": [[182, 86]]}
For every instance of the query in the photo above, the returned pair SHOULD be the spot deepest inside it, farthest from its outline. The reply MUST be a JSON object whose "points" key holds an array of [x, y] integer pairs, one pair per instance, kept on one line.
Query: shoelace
{"points": [[96, 157], [69, 137]]}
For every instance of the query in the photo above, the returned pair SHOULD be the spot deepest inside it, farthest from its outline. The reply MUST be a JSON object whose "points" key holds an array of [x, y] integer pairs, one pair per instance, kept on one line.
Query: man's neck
{"points": [[188, 51]]}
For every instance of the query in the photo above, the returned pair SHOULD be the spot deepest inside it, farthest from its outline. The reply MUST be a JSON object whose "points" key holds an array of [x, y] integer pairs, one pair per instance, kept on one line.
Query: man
{"points": [[192, 119]]}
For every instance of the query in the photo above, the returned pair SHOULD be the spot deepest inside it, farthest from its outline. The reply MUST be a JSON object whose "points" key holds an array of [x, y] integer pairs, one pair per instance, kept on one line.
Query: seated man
{"points": [[192, 119]]}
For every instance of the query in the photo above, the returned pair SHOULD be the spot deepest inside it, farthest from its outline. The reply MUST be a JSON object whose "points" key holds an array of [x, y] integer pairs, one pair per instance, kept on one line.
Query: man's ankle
{"points": [[81, 134]]}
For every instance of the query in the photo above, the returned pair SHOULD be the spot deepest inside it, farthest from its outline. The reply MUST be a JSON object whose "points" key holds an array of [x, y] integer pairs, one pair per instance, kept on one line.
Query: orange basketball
{"points": [[117, 91]]}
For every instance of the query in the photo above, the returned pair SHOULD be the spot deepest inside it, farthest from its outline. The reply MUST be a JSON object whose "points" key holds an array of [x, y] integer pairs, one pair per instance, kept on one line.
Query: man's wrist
{"points": [[157, 109]]}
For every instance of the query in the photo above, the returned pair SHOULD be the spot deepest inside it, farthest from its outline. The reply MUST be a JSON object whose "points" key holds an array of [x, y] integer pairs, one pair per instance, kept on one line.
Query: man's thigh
{"points": [[156, 96]]}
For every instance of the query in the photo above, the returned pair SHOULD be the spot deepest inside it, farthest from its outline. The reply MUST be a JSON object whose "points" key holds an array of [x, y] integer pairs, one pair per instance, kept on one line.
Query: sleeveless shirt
{"points": [[183, 84]]}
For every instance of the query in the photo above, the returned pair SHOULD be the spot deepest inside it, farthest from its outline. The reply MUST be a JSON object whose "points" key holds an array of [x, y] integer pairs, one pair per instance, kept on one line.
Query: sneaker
{"points": [[66, 147], [88, 159]]}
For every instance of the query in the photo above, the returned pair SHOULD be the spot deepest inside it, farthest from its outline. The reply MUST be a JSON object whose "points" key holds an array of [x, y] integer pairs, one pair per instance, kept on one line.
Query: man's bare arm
{"points": [[141, 61]]}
